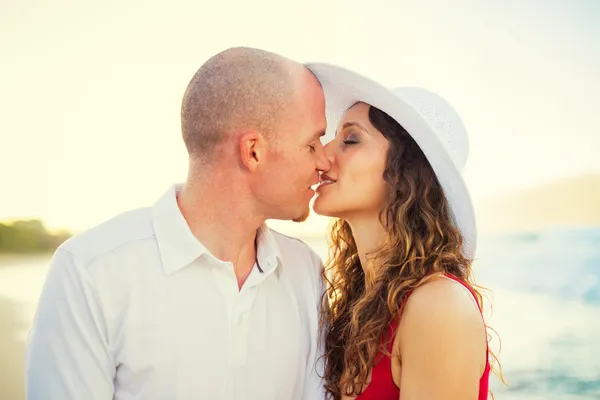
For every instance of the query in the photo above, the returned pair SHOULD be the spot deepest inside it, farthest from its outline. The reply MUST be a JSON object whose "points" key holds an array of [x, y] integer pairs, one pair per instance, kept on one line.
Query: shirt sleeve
{"points": [[67, 356], [314, 386]]}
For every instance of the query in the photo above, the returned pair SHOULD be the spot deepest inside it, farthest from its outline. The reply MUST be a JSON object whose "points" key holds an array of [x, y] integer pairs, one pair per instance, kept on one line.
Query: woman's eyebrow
{"points": [[352, 123]]}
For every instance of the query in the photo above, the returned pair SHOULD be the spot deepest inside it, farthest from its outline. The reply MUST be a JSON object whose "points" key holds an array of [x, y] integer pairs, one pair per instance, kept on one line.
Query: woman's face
{"points": [[354, 185]]}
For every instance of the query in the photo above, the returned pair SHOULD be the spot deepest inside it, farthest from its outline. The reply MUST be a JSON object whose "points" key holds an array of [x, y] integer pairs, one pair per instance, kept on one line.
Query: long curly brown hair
{"points": [[422, 242]]}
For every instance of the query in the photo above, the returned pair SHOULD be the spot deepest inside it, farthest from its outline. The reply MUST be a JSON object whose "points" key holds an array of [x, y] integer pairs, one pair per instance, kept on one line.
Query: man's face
{"points": [[297, 157]]}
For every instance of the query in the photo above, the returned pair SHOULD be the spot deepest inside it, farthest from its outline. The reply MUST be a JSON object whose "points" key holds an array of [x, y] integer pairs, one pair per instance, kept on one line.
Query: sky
{"points": [[90, 91]]}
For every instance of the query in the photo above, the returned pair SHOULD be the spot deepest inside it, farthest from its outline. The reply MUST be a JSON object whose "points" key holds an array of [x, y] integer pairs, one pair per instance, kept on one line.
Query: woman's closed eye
{"points": [[352, 139]]}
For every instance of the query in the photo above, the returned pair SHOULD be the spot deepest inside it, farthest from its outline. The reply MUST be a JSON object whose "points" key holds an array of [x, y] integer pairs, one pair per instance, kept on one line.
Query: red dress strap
{"points": [[382, 386]]}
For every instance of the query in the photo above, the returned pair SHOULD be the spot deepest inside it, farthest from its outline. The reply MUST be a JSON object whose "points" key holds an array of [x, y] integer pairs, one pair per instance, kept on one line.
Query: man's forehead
{"points": [[312, 92], [315, 124]]}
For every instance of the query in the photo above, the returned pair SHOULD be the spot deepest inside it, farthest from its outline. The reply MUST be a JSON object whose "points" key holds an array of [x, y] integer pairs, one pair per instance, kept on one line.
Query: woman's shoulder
{"points": [[442, 305], [441, 325], [442, 291]]}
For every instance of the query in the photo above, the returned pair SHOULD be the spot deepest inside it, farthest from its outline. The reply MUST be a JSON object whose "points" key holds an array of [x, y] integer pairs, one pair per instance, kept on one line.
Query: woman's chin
{"points": [[324, 207]]}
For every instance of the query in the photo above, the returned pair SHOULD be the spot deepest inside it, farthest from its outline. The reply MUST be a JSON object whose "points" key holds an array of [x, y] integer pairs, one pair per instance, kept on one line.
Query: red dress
{"points": [[382, 386]]}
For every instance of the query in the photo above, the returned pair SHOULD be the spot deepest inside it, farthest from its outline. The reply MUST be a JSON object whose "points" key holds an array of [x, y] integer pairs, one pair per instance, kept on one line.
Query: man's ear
{"points": [[253, 149]]}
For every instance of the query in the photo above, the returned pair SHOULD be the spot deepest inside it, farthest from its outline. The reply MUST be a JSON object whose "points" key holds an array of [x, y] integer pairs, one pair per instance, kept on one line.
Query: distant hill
{"points": [[29, 236], [573, 202]]}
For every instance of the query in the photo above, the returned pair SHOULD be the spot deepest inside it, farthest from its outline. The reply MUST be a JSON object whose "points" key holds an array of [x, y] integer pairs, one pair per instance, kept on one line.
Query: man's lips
{"points": [[326, 182]]}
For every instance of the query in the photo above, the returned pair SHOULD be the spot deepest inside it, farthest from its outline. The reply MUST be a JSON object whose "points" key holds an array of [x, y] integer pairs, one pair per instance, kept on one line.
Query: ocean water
{"points": [[546, 311], [545, 307], [544, 304]]}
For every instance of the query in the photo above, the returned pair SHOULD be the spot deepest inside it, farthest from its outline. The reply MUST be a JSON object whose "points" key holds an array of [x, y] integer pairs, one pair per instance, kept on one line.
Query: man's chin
{"points": [[303, 217]]}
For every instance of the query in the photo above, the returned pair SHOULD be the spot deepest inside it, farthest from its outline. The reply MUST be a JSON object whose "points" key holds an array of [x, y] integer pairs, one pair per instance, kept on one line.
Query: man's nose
{"points": [[323, 163]]}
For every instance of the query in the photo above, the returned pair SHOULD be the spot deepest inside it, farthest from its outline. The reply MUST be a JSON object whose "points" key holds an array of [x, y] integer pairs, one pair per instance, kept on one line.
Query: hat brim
{"points": [[344, 88]]}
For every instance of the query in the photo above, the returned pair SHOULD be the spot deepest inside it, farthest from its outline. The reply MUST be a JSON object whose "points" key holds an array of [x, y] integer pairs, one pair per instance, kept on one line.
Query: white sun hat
{"points": [[434, 125]]}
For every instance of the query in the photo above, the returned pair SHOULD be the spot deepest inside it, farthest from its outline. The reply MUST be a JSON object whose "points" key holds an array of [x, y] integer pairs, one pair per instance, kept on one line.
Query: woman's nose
{"points": [[328, 151]]}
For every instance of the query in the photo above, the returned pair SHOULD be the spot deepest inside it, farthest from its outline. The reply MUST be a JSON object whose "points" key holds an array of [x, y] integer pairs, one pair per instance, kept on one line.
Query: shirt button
{"points": [[240, 319]]}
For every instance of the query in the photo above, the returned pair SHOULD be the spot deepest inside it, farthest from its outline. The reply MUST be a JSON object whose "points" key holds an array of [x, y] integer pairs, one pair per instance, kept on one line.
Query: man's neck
{"points": [[224, 221]]}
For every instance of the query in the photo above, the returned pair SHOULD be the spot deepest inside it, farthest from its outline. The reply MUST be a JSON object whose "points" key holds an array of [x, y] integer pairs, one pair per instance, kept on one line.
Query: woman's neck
{"points": [[369, 236]]}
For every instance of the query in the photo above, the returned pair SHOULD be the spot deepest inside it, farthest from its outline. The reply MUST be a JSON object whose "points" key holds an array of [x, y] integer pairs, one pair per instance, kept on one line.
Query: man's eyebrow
{"points": [[319, 134]]}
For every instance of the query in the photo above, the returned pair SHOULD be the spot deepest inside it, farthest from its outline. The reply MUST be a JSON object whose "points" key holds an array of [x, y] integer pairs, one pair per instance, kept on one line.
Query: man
{"points": [[195, 297]]}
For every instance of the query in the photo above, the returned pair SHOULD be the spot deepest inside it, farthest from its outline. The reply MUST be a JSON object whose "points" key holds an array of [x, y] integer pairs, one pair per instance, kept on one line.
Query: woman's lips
{"points": [[325, 182]]}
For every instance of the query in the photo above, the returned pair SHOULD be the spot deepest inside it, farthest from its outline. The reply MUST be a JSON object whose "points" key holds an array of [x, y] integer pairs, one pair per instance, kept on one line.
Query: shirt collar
{"points": [[177, 246], [268, 253]]}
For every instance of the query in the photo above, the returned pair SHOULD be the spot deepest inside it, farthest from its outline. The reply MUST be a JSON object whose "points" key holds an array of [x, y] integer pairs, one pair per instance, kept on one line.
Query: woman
{"points": [[404, 317]]}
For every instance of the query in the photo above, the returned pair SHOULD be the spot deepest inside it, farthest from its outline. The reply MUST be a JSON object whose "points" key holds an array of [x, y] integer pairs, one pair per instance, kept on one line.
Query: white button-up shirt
{"points": [[138, 308]]}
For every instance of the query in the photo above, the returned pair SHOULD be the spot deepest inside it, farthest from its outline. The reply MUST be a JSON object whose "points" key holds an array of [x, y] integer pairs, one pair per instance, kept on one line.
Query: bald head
{"points": [[238, 89]]}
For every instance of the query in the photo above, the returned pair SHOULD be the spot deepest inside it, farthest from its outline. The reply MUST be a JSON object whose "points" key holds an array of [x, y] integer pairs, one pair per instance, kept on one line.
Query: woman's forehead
{"points": [[355, 114]]}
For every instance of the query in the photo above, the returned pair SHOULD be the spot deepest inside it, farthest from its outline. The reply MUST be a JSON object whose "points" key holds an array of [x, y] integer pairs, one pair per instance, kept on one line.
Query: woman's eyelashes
{"points": [[351, 139]]}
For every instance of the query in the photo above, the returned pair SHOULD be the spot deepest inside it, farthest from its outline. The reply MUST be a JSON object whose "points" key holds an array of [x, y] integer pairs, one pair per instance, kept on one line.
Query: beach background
{"points": [[90, 94], [546, 310]]}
